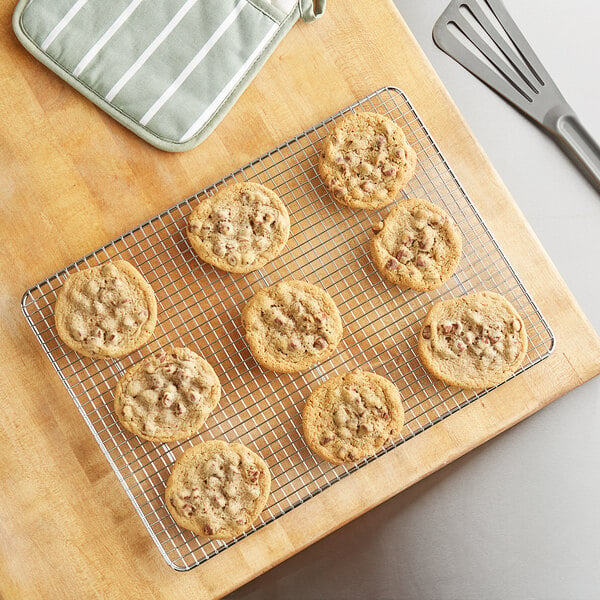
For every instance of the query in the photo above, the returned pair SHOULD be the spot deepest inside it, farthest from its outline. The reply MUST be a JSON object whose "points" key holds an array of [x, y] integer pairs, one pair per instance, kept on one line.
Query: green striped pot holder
{"points": [[169, 70]]}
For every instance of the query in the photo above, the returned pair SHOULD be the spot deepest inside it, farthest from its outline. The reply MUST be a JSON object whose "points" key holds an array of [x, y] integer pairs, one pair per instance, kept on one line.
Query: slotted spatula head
{"points": [[483, 38]]}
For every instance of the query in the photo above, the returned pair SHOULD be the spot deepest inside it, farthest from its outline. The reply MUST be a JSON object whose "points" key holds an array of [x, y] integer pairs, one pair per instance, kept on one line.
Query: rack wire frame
{"points": [[199, 307]]}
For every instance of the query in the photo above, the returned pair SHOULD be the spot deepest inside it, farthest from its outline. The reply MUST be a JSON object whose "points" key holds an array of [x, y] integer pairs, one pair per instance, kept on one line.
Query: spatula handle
{"points": [[579, 145]]}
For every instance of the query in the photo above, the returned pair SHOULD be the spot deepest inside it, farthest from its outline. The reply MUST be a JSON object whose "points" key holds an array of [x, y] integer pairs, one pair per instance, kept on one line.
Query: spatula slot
{"points": [[500, 48], [482, 53]]}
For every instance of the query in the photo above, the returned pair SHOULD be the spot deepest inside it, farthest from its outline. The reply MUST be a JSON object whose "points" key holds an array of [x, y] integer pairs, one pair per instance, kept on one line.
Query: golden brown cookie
{"points": [[239, 229], [106, 311], [473, 341], [351, 416], [366, 161], [291, 326], [168, 396], [218, 490], [419, 246]]}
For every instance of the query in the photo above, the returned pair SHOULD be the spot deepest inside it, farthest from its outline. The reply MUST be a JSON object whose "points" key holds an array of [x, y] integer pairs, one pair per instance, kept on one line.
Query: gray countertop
{"points": [[518, 517]]}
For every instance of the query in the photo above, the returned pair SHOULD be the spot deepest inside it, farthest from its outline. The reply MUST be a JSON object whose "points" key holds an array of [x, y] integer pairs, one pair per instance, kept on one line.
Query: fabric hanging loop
{"points": [[309, 10]]}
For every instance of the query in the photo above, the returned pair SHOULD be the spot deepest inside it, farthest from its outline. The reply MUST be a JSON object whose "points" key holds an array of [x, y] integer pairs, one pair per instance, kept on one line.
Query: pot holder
{"points": [[169, 70]]}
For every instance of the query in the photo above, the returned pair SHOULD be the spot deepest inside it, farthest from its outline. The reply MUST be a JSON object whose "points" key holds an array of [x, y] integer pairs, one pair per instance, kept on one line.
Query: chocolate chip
{"points": [[320, 343]]}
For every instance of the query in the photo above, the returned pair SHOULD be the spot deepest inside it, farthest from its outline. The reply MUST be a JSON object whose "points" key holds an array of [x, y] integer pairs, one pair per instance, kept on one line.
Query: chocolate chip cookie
{"points": [[291, 326], [473, 341], [106, 311], [218, 490], [419, 246], [366, 161], [351, 416], [168, 396], [239, 229]]}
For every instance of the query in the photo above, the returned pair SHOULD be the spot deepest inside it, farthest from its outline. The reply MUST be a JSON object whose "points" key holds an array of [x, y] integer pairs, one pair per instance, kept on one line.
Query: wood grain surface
{"points": [[72, 179]]}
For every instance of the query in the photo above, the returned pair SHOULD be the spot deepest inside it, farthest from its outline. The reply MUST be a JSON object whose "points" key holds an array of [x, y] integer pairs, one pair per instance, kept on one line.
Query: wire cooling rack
{"points": [[200, 307]]}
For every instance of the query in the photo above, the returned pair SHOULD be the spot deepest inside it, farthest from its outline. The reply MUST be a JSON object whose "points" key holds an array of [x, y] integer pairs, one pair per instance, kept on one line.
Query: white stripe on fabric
{"points": [[214, 38], [230, 85], [62, 23], [93, 51], [147, 53]]}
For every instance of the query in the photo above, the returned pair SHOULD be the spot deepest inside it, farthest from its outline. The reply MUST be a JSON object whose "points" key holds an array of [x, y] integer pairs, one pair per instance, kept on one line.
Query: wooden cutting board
{"points": [[72, 179]]}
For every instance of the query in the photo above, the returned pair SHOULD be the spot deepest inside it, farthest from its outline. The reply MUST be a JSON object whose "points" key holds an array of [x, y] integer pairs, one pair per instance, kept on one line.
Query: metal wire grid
{"points": [[200, 307]]}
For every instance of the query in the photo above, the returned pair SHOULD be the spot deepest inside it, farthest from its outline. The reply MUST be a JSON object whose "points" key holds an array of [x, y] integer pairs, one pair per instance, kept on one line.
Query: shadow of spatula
{"points": [[483, 38]]}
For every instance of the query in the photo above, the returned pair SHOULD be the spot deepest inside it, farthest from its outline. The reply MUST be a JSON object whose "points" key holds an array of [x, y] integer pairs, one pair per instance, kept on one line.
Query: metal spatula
{"points": [[483, 38]]}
